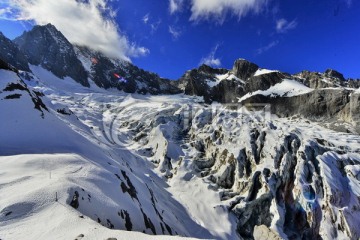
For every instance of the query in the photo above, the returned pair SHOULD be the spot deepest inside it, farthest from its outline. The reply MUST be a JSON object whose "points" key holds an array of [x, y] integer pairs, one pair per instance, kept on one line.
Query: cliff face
{"points": [[327, 105], [47, 47], [10, 53]]}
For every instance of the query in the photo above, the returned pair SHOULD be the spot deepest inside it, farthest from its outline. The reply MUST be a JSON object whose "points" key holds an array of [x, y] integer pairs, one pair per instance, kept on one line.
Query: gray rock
{"points": [[262, 232], [195, 82], [137, 79], [320, 104], [264, 81], [334, 74], [47, 47], [11, 54], [244, 69], [254, 213]]}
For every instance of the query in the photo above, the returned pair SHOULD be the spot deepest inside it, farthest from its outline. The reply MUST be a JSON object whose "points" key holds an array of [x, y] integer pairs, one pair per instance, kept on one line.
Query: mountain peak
{"points": [[48, 47], [333, 73], [244, 69]]}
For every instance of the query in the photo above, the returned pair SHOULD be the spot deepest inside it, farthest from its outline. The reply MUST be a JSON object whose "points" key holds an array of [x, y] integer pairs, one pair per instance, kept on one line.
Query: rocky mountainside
{"points": [[47, 47], [105, 73], [241, 153], [10, 53], [326, 97]]}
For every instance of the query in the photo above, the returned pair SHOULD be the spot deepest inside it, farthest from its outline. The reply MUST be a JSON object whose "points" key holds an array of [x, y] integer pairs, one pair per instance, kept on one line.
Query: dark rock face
{"points": [[253, 214], [318, 104], [354, 83], [288, 106], [207, 69], [264, 81], [198, 82], [228, 91], [4, 65], [335, 74], [314, 80], [11, 54], [353, 110], [244, 69], [137, 80], [46, 46], [75, 200], [330, 78]]}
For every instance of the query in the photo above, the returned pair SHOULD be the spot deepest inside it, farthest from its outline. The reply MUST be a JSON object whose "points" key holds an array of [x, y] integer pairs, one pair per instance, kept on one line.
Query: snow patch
{"points": [[287, 88]]}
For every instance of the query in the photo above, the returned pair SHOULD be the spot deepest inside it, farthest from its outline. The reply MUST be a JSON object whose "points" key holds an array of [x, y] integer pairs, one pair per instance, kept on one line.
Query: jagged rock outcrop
{"points": [[334, 74], [354, 83], [105, 72], [244, 69], [11, 54], [325, 104], [4, 65], [264, 81], [46, 46], [204, 82], [329, 79]]}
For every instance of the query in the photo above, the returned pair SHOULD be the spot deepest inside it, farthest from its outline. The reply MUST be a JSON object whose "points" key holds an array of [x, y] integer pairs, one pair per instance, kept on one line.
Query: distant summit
{"points": [[48, 47]]}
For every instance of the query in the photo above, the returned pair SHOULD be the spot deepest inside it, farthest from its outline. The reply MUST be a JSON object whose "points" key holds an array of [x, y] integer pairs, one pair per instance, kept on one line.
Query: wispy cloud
{"points": [[218, 9], [90, 23], [175, 33], [155, 25], [267, 47], [283, 25], [146, 18], [175, 5], [4, 12], [211, 60]]}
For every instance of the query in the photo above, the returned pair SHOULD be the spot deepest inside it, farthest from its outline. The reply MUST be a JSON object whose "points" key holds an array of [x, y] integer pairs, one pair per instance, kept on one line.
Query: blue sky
{"points": [[286, 35]]}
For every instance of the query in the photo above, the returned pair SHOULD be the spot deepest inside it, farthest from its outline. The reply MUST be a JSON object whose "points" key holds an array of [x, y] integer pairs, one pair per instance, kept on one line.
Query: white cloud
{"points": [[175, 5], [146, 18], [282, 25], [82, 22], [267, 47], [211, 60], [6, 13], [217, 9], [175, 33]]}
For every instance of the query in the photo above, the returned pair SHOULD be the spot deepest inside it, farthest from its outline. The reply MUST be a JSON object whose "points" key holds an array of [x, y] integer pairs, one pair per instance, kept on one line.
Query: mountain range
{"points": [[94, 147]]}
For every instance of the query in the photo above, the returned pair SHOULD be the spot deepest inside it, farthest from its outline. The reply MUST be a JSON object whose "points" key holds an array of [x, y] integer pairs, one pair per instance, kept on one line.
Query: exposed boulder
{"points": [[262, 232]]}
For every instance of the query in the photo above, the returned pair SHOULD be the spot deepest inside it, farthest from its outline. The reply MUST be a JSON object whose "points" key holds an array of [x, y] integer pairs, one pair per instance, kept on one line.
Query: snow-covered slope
{"points": [[287, 88], [52, 162], [261, 71]]}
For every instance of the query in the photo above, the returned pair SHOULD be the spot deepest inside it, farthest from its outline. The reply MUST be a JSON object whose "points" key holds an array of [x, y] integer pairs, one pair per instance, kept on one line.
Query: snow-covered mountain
{"points": [[245, 153]]}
